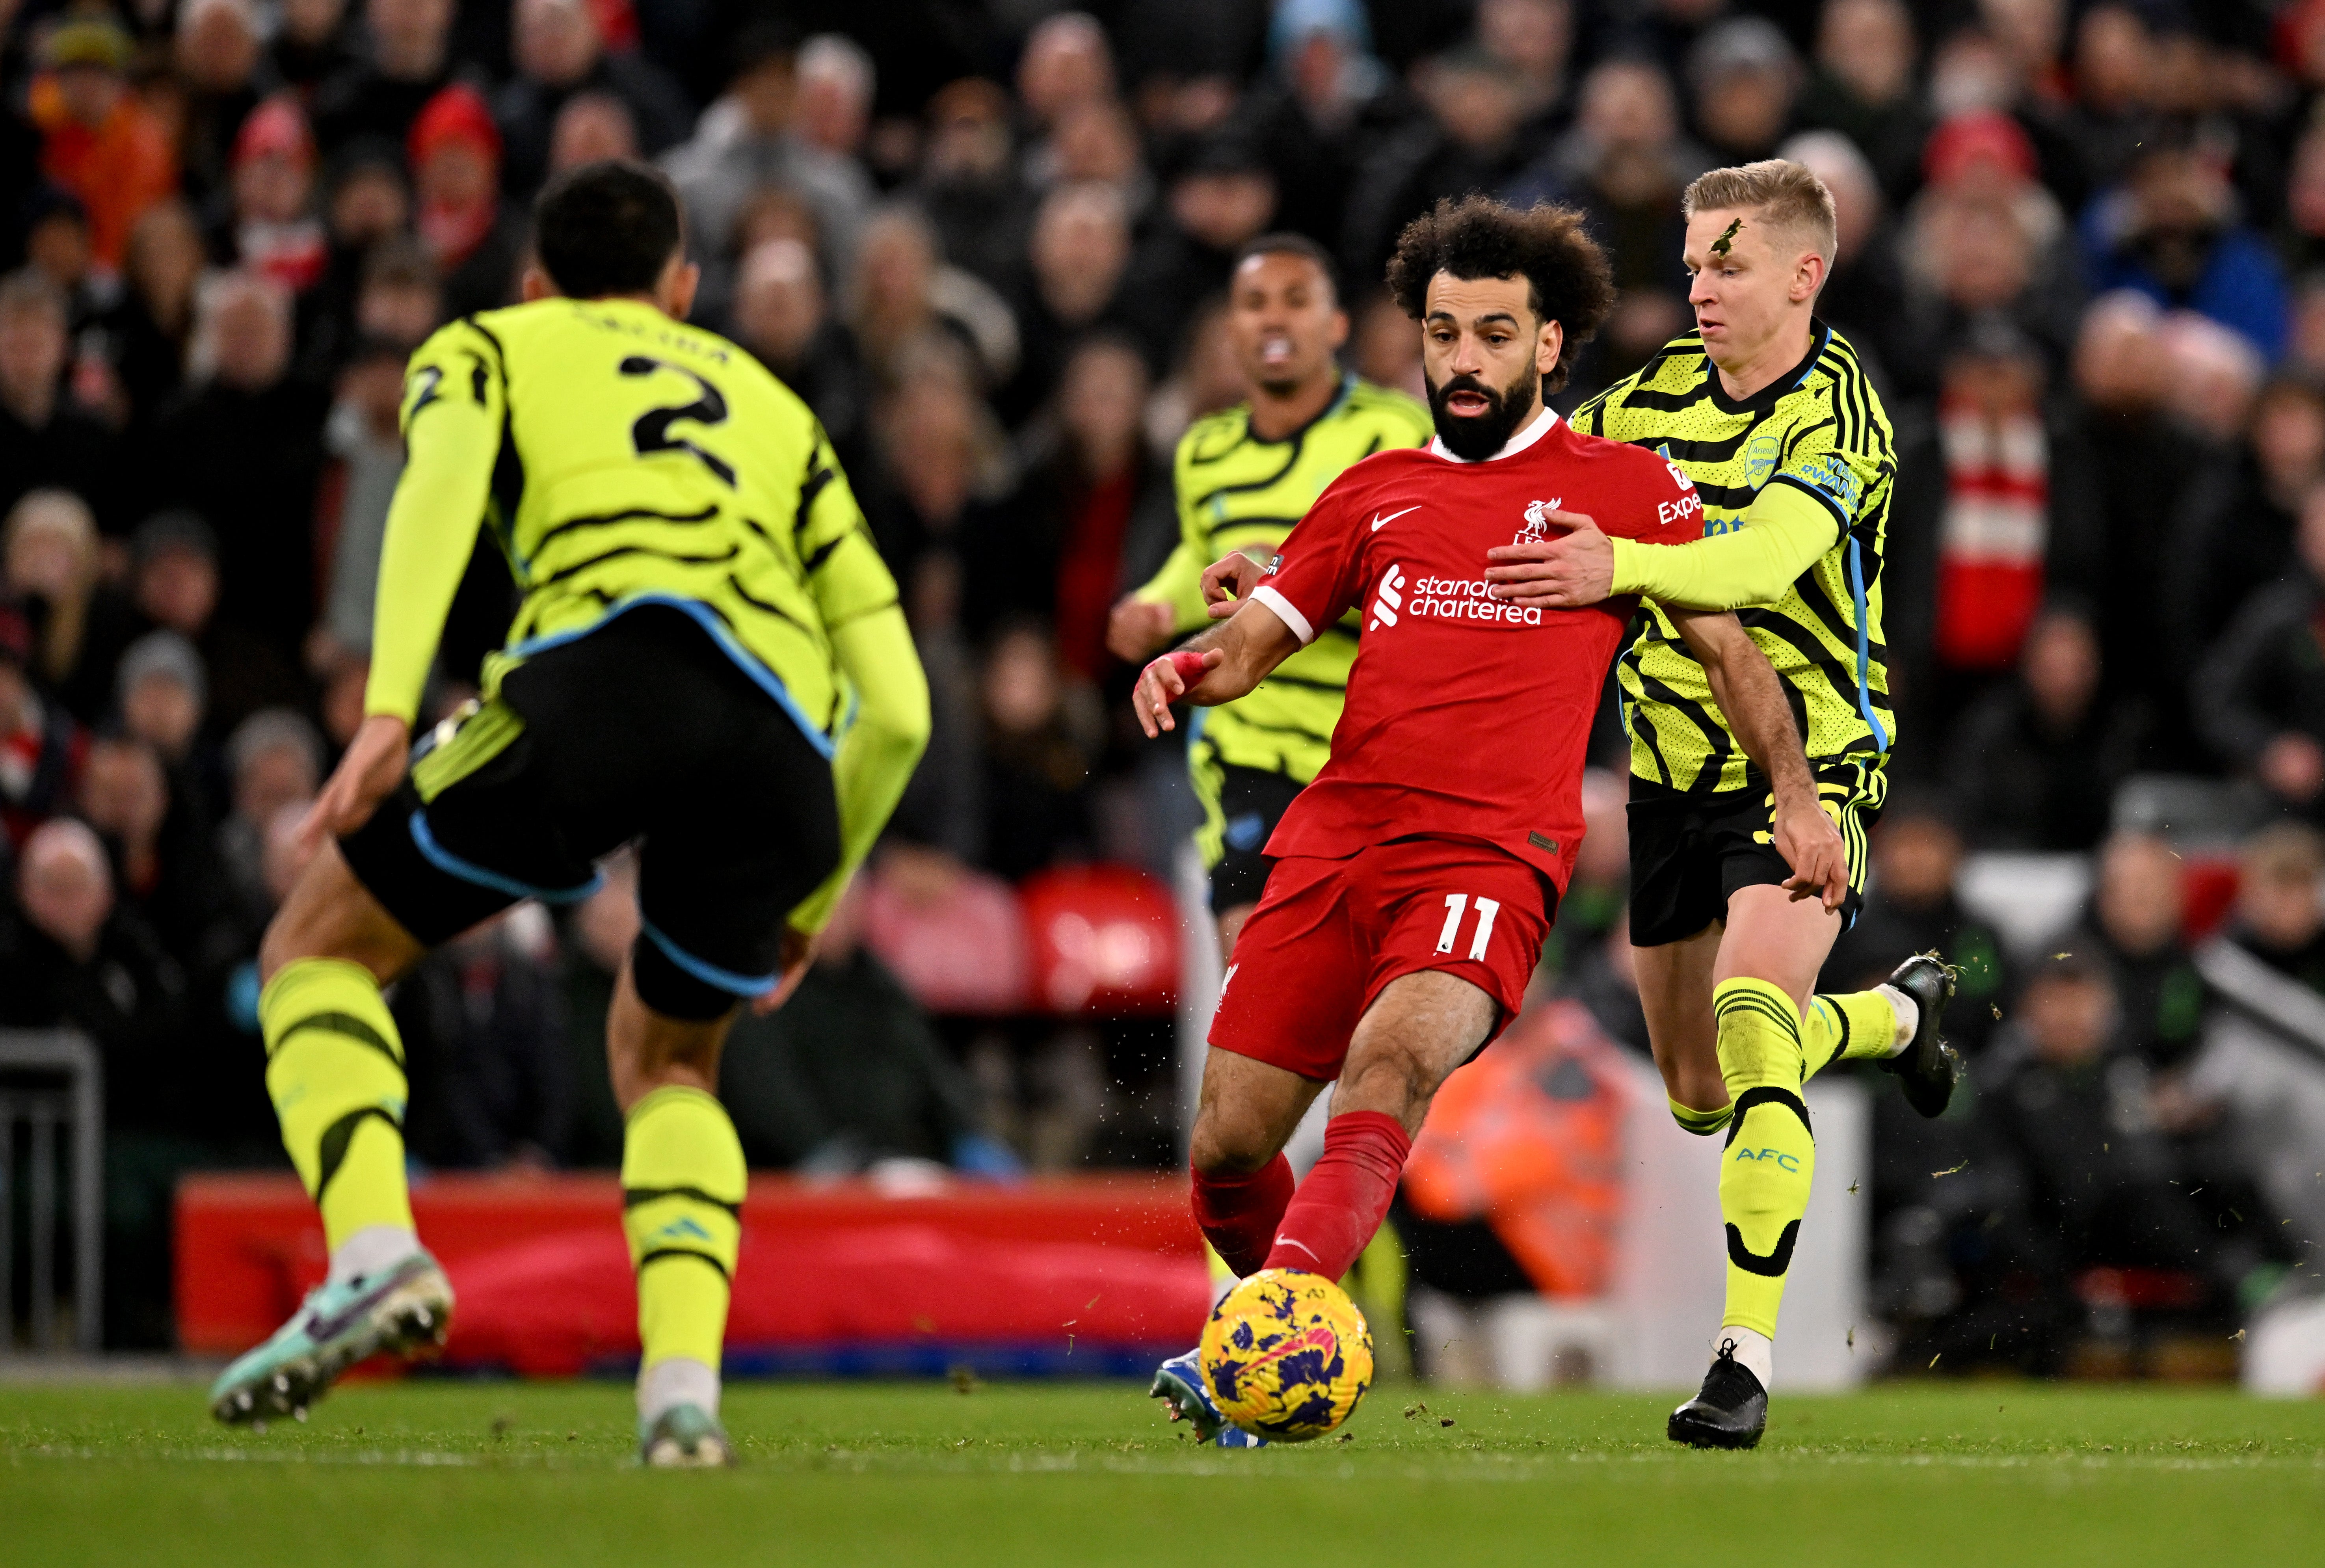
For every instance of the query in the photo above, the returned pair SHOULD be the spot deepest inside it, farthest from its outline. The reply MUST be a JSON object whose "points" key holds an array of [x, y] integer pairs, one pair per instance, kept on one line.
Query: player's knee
{"points": [[671, 990], [1225, 1144]]}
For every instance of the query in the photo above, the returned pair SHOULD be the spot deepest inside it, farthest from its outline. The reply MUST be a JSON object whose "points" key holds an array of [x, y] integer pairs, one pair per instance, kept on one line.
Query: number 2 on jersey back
{"points": [[1455, 905], [651, 433]]}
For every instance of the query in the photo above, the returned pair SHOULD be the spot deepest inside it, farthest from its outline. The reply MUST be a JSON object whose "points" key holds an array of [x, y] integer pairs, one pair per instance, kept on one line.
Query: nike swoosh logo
{"points": [[1378, 521]]}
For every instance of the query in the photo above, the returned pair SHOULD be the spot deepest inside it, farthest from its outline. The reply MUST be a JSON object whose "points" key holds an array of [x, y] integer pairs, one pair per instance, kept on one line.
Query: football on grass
{"points": [[1287, 1355]]}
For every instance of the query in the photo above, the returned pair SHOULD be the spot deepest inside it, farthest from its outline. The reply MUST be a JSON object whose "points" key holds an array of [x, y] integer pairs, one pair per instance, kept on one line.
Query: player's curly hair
{"points": [[1567, 278]]}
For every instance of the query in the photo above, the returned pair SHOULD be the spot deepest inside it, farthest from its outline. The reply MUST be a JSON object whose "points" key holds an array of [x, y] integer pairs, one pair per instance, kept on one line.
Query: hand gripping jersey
{"points": [[621, 458], [1466, 716], [1237, 492], [1819, 432]]}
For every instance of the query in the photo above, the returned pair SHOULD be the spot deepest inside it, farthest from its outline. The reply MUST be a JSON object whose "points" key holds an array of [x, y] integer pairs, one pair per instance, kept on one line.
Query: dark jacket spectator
{"points": [[244, 449], [560, 54], [76, 958], [1917, 851], [484, 1031], [2258, 698], [2035, 763], [2136, 926], [404, 62], [44, 441]]}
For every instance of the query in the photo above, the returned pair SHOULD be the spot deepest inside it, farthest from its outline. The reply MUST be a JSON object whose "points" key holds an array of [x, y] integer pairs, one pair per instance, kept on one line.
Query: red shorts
{"points": [[1329, 934]]}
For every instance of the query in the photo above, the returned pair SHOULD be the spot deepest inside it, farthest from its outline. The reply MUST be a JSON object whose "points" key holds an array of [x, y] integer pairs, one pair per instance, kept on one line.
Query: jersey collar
{"points": [[1762, 401], [1543, 423]]}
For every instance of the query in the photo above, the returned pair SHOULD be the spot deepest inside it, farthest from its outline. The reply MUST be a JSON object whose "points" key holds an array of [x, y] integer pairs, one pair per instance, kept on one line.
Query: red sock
{"points": [[1345, 1198], [1240, 1213]]}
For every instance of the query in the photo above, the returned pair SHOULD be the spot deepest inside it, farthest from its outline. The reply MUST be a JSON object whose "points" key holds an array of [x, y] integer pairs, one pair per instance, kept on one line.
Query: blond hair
{"points": [[1788, 196]]}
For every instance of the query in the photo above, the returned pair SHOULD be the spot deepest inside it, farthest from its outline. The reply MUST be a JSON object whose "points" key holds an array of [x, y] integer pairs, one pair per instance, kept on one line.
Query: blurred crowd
{"points": [[2082, 248]]}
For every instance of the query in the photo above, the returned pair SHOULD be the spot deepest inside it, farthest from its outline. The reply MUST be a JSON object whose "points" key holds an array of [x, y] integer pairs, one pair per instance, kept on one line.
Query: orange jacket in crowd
{"points": [[1529, 1137], [117, 169]]}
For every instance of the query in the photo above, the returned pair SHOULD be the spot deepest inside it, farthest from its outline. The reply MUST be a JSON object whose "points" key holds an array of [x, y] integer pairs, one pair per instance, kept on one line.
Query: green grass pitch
{"points": [[433, 1472]]}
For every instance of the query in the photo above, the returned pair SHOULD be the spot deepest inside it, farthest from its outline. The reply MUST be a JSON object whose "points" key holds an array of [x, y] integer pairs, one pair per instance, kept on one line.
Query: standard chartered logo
{"points": [[1444, 599]]}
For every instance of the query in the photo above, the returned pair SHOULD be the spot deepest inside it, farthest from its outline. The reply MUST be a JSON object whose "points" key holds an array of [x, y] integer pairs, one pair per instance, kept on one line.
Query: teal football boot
{"points": [[404, 1310], [684, 1437], [1178, 1384]]}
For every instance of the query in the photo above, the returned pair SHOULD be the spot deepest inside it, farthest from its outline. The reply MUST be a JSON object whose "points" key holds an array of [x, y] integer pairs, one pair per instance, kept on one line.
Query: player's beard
{"points": [[1480, 436]]}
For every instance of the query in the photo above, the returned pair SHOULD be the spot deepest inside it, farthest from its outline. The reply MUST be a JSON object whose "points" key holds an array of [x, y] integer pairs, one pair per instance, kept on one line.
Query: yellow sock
{"points": [[1701, 1123], [1849, 1026], [682, 1182], [335, 1072], [1771, 1153]]}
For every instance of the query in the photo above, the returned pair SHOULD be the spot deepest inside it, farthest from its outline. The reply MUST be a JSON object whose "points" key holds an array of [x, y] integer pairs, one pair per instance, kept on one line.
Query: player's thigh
{"points": [[1297, 982], [1774, 937], [1675, 981], [1246, 1112], [730, 849], [1419, 1029], [479, 823], [328, 913], [1675, 877]]}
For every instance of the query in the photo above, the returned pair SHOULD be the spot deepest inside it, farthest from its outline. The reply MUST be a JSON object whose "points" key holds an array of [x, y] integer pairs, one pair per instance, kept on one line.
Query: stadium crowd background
{"points": [[2082, 246]]}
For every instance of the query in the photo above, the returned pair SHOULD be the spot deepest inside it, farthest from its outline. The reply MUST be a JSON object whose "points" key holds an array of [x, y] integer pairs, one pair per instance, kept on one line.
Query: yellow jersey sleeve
{"points": [[1783, 535], [455, 397], [1179, 583]]}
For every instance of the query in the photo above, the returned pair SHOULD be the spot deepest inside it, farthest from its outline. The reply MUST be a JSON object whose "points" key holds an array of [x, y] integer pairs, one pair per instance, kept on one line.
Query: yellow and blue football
{"points": [[1286, 1355]]}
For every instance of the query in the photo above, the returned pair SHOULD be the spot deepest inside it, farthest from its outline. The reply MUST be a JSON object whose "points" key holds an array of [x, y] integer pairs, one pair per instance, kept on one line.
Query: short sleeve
{"points": [[1666, 508], [1319, 573]]}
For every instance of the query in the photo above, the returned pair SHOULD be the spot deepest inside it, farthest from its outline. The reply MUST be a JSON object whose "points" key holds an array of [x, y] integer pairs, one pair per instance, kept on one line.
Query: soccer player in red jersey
{"points": [[1417, 876]]}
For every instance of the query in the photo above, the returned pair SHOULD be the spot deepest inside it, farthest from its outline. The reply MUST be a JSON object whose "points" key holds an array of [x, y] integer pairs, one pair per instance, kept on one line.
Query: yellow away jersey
{"points": [[1822, 429], [622, 458], [1237, 492]]}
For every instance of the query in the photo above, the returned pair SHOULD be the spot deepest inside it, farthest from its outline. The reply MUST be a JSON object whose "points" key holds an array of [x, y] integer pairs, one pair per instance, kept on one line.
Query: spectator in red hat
{"points": [[276, 232], [456, 161]]}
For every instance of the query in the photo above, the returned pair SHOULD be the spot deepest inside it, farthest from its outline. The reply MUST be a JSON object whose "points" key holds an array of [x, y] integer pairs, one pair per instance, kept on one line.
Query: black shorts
{"points": [[1690, 852], [1251, 801], [644, 729]]}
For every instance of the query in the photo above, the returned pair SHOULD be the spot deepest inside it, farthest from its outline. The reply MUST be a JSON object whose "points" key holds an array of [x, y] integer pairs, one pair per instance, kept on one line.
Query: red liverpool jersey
{"points": [[1466, 716]]}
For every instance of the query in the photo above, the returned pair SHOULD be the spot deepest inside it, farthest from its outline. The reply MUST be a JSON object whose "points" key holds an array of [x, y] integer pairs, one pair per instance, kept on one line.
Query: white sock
{"points": [[371, 1250], [677, 1380], [1753, 1348], [1909, 1016]]}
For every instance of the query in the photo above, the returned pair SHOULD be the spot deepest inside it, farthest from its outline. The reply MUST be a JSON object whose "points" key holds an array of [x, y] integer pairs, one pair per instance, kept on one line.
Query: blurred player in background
{"points": [[709, 659], [1416, 877], [1769, 413], [1244, 475]]}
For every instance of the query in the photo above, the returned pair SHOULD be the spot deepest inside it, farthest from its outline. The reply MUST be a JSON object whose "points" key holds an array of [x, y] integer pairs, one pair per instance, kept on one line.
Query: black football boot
{"points": [[1929, 1068], [1730, 1411]]}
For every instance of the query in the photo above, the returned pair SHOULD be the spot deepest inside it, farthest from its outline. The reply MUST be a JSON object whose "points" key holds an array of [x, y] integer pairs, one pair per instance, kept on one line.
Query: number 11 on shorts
{"points": [[1455, 905]]}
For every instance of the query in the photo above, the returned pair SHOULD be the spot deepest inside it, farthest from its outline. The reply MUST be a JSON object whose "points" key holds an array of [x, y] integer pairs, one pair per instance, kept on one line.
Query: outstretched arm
{"points": [[1749, 693], [452, 429], [1782, 534], [1224, 663]]}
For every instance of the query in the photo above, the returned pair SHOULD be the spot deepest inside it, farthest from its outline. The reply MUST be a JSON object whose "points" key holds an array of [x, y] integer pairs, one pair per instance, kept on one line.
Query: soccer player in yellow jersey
{"points": [[1244, 475], [708, 660], [1768, 411]]}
